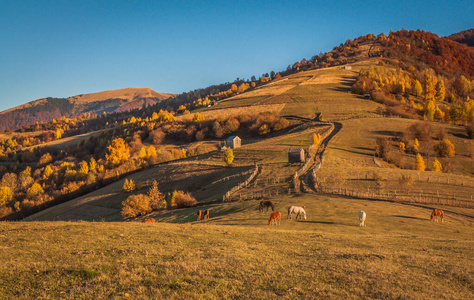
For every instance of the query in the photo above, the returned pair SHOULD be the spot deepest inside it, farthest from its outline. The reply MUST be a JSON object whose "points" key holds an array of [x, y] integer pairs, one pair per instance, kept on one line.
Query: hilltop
{"points": [[463, 37], [46, 109]]}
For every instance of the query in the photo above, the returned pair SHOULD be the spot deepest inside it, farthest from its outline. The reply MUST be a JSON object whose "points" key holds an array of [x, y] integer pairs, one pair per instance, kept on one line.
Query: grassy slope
{"points": [[351, 151], [236, 255], [106, 202]]}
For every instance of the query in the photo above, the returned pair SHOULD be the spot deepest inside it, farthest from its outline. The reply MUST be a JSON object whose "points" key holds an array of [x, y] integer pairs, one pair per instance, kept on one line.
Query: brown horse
{"points": [[275, 217], [199, 214], [151, 220], [437, 213], [206, 214], [266, 204]]}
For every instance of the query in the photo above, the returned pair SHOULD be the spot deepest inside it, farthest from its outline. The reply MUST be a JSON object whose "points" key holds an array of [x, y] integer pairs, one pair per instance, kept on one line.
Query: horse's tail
{"points": [[273, 207]]}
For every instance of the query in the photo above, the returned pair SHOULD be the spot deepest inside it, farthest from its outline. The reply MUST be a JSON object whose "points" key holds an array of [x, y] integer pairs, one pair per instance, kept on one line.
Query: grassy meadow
{"points": [[400, 254], [106, 203]]}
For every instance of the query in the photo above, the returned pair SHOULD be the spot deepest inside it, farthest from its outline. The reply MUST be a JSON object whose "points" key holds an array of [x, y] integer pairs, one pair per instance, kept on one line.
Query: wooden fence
{"points": [[402, 196], [226, 196]]}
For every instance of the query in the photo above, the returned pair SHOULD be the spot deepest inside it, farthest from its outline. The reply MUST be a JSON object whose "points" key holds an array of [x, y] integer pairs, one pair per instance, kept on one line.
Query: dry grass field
{"points": [[70, 141], [235, 254], [219, 112]]}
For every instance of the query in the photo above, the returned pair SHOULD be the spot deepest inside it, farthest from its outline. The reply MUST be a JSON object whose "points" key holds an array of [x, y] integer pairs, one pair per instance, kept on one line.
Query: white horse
{"points": [[362, 217], [298, 210]]}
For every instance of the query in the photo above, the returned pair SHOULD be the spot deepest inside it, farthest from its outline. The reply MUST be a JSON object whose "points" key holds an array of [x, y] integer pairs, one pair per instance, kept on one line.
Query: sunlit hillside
{"points": [[382, 124]]}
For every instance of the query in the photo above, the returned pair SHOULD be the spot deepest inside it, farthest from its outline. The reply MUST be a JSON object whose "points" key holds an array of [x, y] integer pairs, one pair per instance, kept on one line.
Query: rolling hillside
{"points": [[235, 254], [46, 109]]}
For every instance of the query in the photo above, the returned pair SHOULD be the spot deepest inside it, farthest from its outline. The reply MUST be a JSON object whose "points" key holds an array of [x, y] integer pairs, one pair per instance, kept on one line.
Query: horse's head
{"points": [[304, 215]]}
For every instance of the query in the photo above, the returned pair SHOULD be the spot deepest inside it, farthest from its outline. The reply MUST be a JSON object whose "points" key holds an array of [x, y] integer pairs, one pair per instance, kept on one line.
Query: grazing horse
{"points": [[275, 217], [206, 214], [151, 220], [298, 210], [437, 213], [362, 217], [199, 214], [266, 204]]}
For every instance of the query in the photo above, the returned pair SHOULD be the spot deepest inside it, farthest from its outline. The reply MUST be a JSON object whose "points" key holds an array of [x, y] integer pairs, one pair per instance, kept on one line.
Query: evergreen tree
{"points": [[156, 198]]}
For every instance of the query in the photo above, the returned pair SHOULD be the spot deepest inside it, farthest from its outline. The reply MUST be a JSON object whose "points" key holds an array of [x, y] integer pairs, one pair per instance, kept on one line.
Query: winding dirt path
{"points": [[306, 185]]}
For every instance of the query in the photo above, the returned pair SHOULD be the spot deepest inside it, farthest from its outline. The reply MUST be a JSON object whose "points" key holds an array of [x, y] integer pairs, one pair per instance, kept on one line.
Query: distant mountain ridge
{"points": [[45, 109], [464, 37]]}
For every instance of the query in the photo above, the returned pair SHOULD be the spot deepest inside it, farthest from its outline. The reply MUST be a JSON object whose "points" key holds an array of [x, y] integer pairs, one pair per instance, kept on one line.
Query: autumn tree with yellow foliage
{"points": [[119, 152]]}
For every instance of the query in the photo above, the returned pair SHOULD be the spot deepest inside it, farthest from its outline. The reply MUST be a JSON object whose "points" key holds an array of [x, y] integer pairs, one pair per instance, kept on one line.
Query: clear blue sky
{"points": [[64, 48]]}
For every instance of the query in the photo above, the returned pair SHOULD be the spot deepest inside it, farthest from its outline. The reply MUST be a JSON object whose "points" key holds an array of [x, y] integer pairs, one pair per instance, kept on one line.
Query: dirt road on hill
{"points": [[307, 184]]}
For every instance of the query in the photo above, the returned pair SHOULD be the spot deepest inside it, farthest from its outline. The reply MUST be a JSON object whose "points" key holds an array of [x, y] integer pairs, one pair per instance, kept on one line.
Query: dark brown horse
{"points": [[266, 204]]}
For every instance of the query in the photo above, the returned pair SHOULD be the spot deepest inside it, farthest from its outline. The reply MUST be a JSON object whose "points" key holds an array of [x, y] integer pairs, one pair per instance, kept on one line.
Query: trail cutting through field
{"points": [[305, 179]]}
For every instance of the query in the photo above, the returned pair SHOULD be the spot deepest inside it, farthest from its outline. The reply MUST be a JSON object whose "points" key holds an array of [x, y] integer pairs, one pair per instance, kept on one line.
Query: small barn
{"points": [[296, 155], [233, 142]]}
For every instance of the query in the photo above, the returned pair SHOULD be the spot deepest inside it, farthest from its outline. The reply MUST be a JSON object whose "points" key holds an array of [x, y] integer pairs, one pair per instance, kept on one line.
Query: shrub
{"points": [[6, 195], [198, 117], [402, 146], [48, 171], [264, 129], [34, 192], [231, 125], [183, 199], [445, 148], [157, 136], [228, 156], [383, 148], [421, 130], [90, 178], [135, 205], [45, 158], [437, 166], [420, 163], [129, 185], [282, 123]]}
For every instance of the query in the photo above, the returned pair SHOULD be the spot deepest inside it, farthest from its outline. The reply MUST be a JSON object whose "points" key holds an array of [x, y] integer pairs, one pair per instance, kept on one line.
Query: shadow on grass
{"points": [[356, 152], [387, 132], [321, 222], [408, 217]]}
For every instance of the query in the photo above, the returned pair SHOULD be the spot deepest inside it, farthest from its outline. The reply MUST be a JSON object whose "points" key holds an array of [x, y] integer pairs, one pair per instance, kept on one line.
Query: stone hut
{"points": [[296, 155], [233, 142]]}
